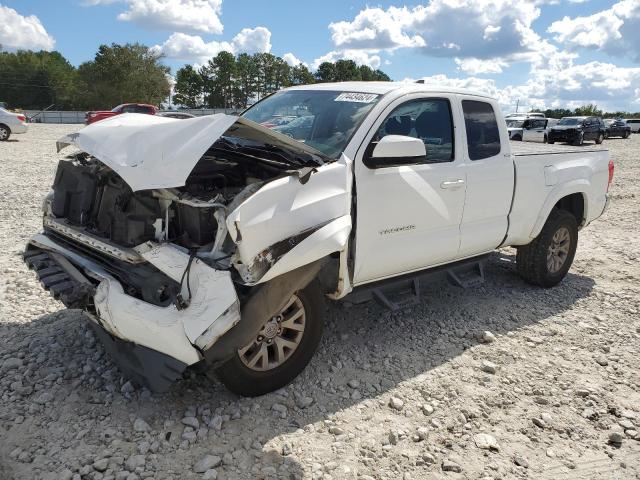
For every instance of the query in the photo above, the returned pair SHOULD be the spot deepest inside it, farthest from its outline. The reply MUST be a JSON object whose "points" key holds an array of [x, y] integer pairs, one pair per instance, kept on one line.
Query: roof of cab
{"points": [[382, 88]]}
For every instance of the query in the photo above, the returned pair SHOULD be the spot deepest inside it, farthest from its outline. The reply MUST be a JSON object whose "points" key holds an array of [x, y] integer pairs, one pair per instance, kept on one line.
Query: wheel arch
{"points": [[6, 126], [572, 198]]}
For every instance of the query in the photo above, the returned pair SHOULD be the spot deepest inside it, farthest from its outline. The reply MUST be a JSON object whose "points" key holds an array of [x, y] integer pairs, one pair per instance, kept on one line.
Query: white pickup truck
{"points": [[215, 241]]}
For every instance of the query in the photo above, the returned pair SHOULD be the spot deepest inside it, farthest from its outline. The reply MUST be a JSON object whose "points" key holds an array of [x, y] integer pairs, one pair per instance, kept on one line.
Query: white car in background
{"points": [[11, 123], [634, 123], [527, 128]]}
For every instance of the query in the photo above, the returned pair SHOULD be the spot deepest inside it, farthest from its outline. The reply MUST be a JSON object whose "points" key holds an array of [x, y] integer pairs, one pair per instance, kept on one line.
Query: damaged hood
{"points": [[151, 152]]}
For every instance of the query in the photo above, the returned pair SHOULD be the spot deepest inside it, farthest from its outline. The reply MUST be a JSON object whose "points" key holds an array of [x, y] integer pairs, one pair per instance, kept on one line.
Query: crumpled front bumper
{"points": [[152, 344]]}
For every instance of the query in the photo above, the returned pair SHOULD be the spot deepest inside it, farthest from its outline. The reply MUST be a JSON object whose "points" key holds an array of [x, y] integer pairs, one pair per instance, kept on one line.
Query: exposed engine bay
{"points": [[184, 248], [91, 195]]}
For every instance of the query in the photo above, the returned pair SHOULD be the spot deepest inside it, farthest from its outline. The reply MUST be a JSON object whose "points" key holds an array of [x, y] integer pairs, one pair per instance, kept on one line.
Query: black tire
{"points": [[625, 135], [550, 142], [545, 140], [531, 260], [244, 381], [517, 138], [600, 139], [579, 140], [5, 133]]}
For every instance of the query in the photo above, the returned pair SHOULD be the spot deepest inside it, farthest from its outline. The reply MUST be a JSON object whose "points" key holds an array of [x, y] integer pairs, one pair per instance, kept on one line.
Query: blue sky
{"points": [[537, 52]]}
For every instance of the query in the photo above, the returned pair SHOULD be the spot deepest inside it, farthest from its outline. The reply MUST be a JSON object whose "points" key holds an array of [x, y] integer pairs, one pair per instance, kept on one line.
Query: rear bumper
{"points": [[19, 128], [151, 343]]}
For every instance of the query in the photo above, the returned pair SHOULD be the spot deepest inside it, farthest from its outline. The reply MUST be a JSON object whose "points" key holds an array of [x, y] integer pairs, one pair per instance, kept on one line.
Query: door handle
{"points": [[452, 183]]}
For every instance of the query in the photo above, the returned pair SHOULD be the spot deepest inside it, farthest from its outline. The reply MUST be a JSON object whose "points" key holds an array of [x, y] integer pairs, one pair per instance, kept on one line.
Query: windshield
{"points": [[515, 123], [324, 120], [117, 109], [569, 121]]}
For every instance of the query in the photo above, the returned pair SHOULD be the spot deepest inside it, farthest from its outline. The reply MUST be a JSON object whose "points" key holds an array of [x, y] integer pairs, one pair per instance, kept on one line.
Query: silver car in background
{"points": [[10, 123]]}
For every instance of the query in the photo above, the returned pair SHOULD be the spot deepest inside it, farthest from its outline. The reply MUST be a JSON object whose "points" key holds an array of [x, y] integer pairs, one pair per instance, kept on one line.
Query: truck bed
{"points": [[520, 149], [544, 174]]}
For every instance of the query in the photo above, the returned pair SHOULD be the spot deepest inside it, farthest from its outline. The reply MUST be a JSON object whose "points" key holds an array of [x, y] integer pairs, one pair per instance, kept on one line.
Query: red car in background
{"points": [[92, 117]]}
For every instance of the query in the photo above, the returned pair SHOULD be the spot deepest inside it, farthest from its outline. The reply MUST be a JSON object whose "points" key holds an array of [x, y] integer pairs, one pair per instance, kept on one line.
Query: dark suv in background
{"points": [[616, 127], [576, 130]]}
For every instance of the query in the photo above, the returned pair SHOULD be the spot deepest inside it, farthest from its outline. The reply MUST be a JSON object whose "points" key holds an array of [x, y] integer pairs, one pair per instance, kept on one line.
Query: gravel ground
{"points": [[502, 381]]}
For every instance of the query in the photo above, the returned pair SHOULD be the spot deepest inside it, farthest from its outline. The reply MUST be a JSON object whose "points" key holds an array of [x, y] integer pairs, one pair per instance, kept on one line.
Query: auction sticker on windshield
{"points": [[356, 97]]}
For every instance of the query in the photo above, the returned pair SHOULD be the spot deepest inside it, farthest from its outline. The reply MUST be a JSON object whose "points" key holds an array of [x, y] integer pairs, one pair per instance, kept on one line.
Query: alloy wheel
{"points": [[278, 338], [558, 250]]}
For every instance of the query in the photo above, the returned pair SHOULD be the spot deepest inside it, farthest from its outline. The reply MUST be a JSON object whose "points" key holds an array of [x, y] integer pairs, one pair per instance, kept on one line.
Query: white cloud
{"points": [[615, 30], [252, 40], [361, 57], [374, 28], [292, 60], [605, 84], [475, 66], [176, 15], [20, 32], [193, 48], [471, 28]]}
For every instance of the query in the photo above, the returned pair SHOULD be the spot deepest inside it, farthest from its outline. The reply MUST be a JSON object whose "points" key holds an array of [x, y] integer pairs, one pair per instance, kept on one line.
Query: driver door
{"points": [[535, 131], [408, 215]]}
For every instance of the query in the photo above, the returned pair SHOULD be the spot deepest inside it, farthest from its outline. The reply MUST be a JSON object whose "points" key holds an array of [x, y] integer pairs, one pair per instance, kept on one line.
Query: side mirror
{"points": [[394, 150]]}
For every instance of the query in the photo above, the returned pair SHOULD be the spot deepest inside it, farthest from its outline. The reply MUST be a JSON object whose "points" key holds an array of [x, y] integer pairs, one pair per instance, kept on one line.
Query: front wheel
{"points": [[579, 140], [281, 350], [5, 133], [547, 259], [600, 139]]}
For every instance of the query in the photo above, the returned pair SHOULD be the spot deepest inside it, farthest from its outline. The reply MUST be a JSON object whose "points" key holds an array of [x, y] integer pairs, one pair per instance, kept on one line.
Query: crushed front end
{"points": [[165, 273]]}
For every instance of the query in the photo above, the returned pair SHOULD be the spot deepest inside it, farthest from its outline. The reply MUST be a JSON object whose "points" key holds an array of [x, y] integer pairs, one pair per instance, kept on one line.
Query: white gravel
{"points": [[388, 396]]}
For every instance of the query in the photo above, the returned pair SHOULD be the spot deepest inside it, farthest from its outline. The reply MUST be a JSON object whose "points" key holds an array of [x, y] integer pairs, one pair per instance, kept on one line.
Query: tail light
{"points": [[611, 168], [22, 118]]}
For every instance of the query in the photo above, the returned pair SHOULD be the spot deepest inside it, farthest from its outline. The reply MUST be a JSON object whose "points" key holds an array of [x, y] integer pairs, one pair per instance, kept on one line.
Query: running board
{"points": [[412, 299], [405, 291], [467, 276]]}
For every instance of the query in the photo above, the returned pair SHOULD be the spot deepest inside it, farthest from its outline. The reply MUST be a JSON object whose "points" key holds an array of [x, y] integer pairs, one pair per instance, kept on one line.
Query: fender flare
{"points": [[558, 193]]}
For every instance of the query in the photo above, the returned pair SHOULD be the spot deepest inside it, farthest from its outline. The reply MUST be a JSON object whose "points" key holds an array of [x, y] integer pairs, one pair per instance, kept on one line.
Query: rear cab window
{"points": [[483, 134]]}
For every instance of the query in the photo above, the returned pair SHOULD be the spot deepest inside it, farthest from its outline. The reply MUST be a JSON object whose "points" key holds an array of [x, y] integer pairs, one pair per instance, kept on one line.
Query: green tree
{"points": [[326, 72], [123, 73], [218, 76], [590, 109], [346, 70], [300, 75], [380, 76], [34, 80], [189, 87], [245, 82]]}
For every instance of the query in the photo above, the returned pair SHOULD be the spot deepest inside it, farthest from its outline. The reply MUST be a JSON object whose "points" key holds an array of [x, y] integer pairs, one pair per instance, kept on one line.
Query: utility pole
{"points": [[517, 105]]}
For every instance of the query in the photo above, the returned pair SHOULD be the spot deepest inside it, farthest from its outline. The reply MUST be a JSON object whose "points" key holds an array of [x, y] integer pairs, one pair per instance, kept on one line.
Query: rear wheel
{"points": [[5, 133], [625, 135], [547, 259], [600, 139], [281, 350]]}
